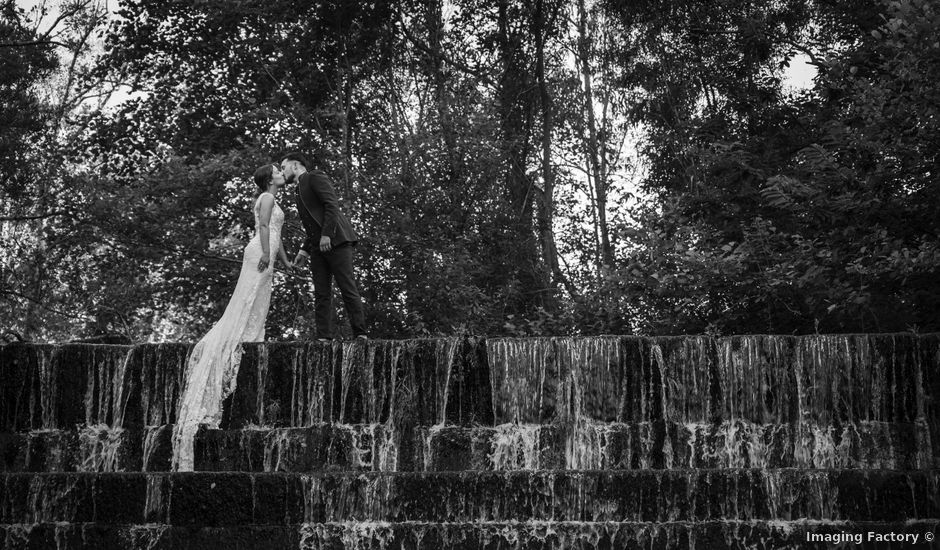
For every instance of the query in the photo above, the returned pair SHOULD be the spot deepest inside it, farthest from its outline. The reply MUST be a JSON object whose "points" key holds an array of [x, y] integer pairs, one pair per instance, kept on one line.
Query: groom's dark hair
{"points": [[299, 158]]}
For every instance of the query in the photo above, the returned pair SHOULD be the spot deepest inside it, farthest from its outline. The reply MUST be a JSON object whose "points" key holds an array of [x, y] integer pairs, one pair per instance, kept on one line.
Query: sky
{"points": [[799, 75]]}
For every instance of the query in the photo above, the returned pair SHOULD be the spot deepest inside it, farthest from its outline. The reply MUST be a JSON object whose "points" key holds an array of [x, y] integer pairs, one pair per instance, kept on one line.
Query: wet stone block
{"points": [[449, 448], [217, 499], [617, 446], [39, 451], [119, 498], [762, 379], [88, 449], [36, 498], [378, 447], [92, 536], [581, 446], [469, 397], [53, 386], [222, 499], [13, 452], [410, 383], [157, 451], [407, 382], [273, 489], [541, 535], [330, 447], [718, 535], [161, 369], [14, 499], [279, 383], [688, 378], [17, 372], [928, 352], [43, 386], [538, 380]]}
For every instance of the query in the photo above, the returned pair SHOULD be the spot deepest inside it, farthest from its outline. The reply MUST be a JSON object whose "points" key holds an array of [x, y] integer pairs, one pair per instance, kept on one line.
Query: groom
{"points": [[329, 245]]}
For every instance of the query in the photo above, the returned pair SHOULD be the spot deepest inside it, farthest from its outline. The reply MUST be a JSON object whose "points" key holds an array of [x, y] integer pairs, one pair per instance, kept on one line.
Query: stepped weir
{"points": [[743, 442]]}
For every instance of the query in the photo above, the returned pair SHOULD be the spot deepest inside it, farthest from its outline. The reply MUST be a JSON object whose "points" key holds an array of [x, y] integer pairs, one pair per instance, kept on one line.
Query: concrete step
{"points": [[763, 379], [376, 447], [541, 535], [588, 445], [230, 499]]}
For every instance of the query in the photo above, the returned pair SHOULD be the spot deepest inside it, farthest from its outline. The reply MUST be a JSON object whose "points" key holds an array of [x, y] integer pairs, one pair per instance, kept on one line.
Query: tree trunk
{"points": [[591, 147], [546, 211], [514, 107], [435, 24]]}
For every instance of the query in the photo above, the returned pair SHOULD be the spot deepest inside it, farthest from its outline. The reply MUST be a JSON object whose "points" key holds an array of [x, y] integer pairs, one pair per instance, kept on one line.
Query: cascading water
{"points": [[516, 447], [583, 442], [100, 446], [155, 438]]}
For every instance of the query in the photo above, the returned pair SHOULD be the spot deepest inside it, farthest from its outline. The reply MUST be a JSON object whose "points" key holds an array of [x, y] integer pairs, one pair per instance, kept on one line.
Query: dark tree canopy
{"points": [[514, 167], [25, 59]]}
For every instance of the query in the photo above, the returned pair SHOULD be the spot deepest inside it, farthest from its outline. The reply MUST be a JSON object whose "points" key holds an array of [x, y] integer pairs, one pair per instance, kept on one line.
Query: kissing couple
{"points": [[213, 362]]}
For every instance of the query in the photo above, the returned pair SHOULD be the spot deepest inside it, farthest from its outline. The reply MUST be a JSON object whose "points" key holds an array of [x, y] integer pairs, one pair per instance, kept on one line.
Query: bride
{"points": [[213, 362]]}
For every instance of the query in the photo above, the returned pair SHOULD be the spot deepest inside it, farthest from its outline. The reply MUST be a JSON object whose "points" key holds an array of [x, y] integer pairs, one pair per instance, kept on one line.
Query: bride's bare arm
{"points": [[267, 205]]}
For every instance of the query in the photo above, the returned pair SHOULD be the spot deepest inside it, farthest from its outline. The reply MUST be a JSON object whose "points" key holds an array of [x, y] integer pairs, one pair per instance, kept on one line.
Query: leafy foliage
{"points": [[814, 211], [22, 113], [747, 207]]}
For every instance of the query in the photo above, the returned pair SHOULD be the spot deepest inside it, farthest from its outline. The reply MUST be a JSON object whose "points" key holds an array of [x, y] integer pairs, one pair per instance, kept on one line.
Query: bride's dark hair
{"points": [[263, 177]]}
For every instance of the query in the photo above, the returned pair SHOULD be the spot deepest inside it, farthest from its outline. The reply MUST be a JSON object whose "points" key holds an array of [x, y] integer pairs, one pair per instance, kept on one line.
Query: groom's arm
{"points": [[308, 245], [321, 185]]}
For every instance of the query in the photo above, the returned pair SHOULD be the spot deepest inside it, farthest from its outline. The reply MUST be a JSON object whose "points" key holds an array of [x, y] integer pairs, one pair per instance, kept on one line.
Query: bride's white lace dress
{"points": [[213, 363]]}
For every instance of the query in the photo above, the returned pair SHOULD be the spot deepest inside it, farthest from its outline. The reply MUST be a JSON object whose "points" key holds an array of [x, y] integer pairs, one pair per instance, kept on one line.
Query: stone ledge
{"points": [[373, 447], [824, 380], [716, 535], [224, 499], [598, 446]]}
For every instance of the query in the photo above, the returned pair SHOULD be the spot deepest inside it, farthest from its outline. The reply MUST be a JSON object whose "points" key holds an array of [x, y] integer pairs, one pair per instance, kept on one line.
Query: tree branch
{"points": [[42, 305], [33, 43], [64, 15], [452, 62], [70, 75], [184, 252], [34, 216], [805, 50]]}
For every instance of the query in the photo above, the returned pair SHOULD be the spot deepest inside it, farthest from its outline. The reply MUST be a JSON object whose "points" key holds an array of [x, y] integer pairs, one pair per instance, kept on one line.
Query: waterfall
{"points": [[100, 446], [444, 355], [748, 441], [156, 437], [516, 447]]}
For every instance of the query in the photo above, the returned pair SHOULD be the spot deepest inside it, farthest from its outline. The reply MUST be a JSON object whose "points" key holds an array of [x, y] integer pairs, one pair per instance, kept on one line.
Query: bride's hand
{"points": [[263, 263]]}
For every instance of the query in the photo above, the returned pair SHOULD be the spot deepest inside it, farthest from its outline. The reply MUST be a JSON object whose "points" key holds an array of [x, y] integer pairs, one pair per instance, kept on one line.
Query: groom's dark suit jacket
{"points": [[320, 213]]}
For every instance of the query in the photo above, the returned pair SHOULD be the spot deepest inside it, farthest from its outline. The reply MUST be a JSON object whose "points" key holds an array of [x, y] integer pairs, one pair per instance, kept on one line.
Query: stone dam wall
{"points": [[746, 442]]}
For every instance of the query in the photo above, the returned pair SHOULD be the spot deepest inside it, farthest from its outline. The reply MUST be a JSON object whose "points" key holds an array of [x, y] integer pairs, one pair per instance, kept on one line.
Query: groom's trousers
{"points": [[326, 266]]}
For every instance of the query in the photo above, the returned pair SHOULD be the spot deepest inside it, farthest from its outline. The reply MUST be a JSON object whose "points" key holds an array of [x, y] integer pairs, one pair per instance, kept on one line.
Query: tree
{"points": [[482, 148], [27, 58], [401, 160], [795, 213], [43, 84]]}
